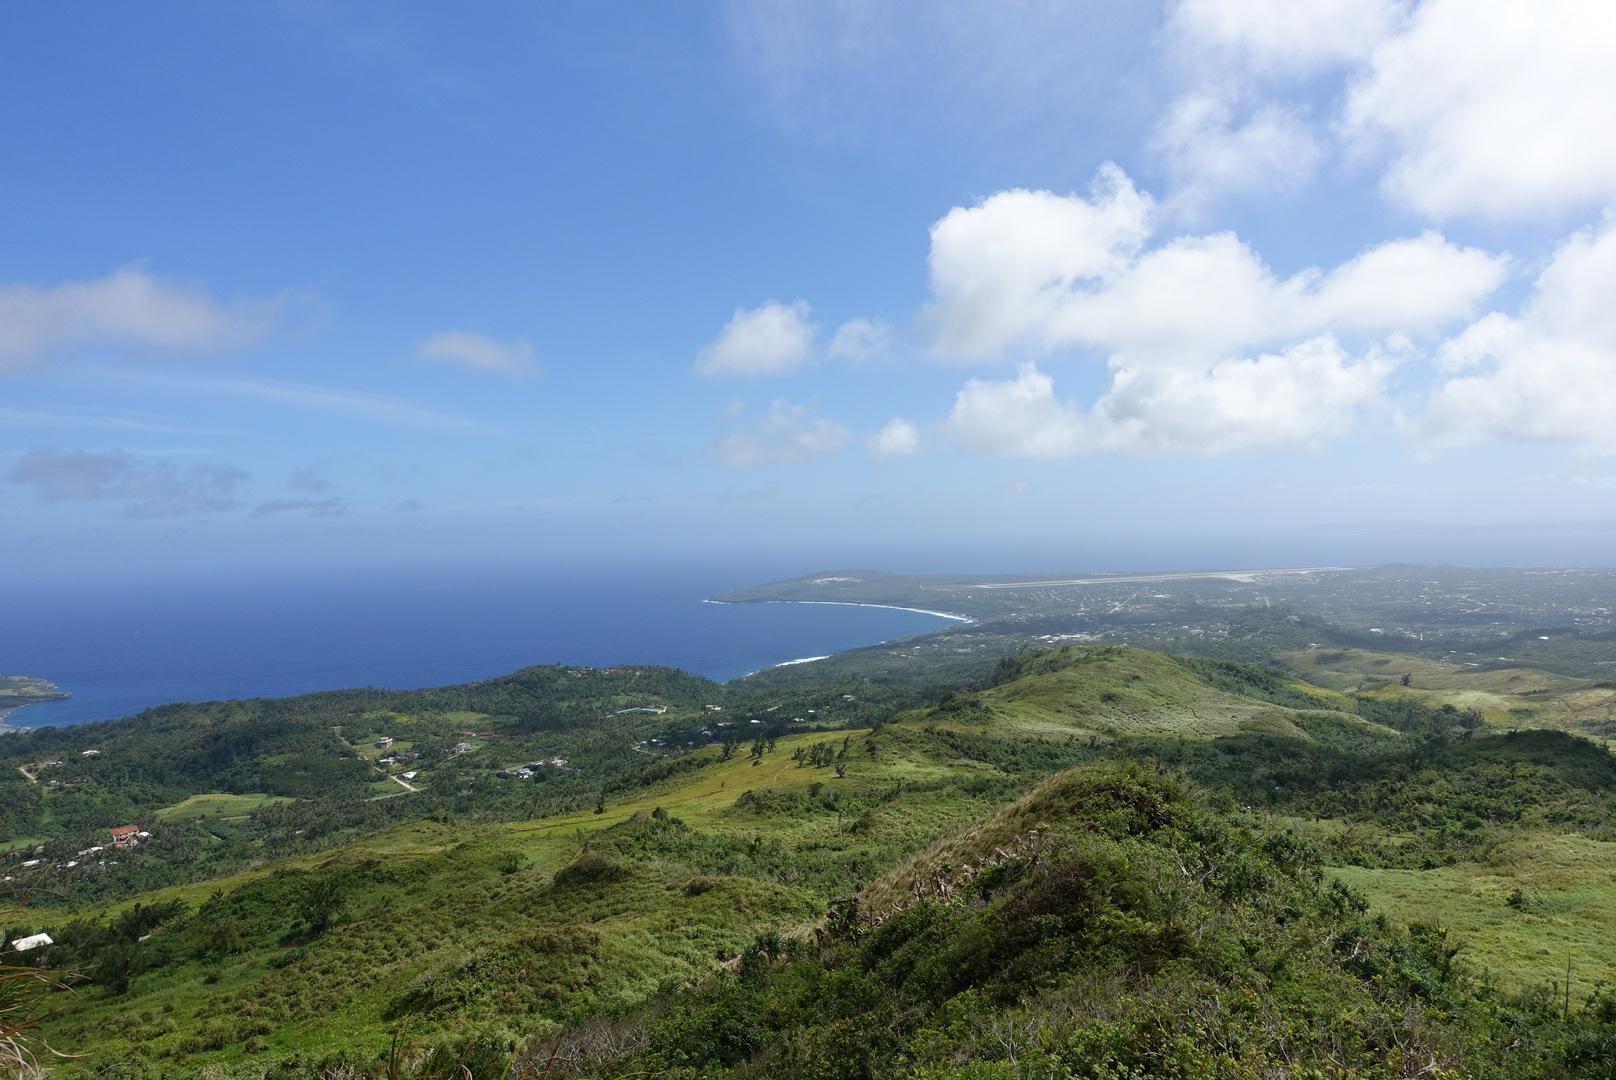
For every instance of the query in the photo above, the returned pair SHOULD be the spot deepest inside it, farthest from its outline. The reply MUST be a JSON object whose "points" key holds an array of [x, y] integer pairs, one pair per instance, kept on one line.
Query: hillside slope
{"points": [[468, 936]]}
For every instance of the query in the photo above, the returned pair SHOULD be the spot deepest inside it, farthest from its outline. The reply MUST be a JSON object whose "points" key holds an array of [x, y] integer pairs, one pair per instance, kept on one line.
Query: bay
{"points": [[119, 648]]}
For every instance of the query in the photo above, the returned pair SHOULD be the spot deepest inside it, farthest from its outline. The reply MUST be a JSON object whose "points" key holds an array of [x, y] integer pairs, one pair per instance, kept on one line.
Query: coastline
{"points": [[6, 713], [956, 617]]}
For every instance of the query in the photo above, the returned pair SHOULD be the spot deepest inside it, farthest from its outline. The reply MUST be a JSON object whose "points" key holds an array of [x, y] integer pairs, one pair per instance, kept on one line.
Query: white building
{"points": [[23, 944]]}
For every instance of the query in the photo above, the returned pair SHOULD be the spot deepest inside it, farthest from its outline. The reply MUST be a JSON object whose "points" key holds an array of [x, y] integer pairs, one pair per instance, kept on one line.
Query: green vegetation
{"points": [[1106, 926], [24, 689], [215, 804], [1538, 901], [1091, 861], [17, 691]]}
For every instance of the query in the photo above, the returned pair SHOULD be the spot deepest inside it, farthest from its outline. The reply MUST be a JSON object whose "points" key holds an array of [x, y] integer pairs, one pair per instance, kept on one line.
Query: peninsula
{"points": [[19, 690]]}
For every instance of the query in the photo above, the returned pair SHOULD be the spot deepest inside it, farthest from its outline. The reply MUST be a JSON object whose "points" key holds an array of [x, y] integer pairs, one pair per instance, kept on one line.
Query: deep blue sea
{"points": [[121, 648]]}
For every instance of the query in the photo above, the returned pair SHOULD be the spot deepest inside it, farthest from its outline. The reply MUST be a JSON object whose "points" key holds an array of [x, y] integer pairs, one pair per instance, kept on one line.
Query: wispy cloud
{"points": [[480, 352], [310, 478], [147, 489], [126, 307], [787, 433], [762, 493], [374, 407], [843, 70], [331, 507], [47, 418]]}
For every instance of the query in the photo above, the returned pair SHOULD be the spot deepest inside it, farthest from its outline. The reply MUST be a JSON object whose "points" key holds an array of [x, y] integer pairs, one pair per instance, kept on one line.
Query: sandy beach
{"points": [[853, 603], [6, 712]]}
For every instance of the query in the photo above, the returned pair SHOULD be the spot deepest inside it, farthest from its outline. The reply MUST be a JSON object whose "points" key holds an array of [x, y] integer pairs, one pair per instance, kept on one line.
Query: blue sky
{"points": [[340, 284]]}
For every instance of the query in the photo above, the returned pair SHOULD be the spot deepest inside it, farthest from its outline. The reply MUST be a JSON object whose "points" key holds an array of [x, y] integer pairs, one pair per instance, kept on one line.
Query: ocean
{"points": [[119, 649]]}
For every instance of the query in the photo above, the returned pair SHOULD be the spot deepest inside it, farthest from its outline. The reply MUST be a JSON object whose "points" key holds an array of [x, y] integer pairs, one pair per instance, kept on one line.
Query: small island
{"points": [[19, 690]]}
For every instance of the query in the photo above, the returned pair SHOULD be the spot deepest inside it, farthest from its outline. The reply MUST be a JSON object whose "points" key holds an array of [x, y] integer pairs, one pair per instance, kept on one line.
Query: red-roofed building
{"points": [[125, 835]]}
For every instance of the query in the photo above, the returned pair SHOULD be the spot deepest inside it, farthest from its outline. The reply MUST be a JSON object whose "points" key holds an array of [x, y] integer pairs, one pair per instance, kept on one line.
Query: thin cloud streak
{"points": [[374, 407], [50, 418]]}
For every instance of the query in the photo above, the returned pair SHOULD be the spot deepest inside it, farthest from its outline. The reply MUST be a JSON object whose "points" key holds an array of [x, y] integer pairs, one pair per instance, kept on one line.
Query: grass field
{"points": [[1564, 908], [1134, 692], [1506, 696], [215, 804]]}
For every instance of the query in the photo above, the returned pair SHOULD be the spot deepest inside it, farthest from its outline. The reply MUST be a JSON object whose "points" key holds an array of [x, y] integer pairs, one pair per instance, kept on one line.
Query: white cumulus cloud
{"points": [[1209, 152], [1546, 373], [898, 438], [1493, 108], [1034, 272], [1293, 36], [1207, 349], [1002, 270], [773, 338], [479, 351], [1017, 418], [1308, 393]]}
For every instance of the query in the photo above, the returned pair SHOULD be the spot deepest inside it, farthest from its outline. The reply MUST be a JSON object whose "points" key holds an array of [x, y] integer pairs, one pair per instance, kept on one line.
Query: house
{"points": [[88, 753], [125, 835], [461, 748], [30, 864], [23, 944], [411, 775], [384, 742]]}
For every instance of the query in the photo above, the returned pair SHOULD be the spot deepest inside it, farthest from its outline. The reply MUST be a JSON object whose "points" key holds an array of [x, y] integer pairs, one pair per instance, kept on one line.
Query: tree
{"points": [[320, 904], [115, 965], [1408, 679], [600, 801]]}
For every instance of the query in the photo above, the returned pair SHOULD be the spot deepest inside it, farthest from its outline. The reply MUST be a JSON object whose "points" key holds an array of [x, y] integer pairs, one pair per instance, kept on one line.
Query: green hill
{"points": [[1105, 925], [997, 861]]}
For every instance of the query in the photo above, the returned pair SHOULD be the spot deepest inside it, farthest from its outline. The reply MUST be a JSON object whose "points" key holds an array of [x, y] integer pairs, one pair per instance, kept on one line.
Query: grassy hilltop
{"points": [[1096, 854]]}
